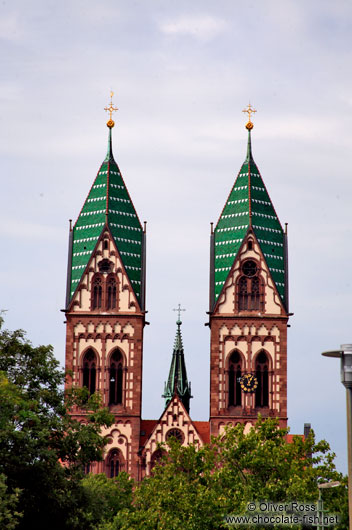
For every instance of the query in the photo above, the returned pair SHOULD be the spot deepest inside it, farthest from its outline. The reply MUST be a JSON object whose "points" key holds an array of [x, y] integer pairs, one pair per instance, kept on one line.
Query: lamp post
{"points": [[325, 485], [345, 354]]}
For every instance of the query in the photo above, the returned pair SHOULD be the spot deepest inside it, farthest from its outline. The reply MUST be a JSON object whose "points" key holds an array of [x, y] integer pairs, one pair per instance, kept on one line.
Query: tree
{"points": [[42, 449], [9, 516], [193, 489], [106, 497]]}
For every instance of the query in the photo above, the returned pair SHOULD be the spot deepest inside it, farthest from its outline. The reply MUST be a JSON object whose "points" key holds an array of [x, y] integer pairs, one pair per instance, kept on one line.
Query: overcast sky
{"points": [[182, 72]]}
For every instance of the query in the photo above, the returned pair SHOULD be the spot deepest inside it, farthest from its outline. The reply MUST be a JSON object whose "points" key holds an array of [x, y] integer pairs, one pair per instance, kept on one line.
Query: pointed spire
{"points": [[248, 206], [108, 203], [177, 383]]}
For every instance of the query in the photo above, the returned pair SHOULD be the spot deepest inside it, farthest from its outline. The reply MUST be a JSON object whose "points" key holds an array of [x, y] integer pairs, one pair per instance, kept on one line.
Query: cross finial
{"points": [[179, 312], [110, 109], [249, 110]]}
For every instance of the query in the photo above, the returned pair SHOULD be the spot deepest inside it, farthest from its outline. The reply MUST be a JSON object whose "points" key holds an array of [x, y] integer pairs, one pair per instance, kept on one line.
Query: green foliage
{"points": [[9, 516], [106, 497], [193, 489], [42, 449]]}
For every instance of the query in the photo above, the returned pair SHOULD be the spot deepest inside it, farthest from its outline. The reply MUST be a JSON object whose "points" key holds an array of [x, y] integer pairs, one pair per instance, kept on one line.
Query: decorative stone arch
{"points": [[114, 462], [96, 291], [84, 351], [250, 286], [156, 457], [235, 366], [89, 367], [112, 292], [269, 338]]}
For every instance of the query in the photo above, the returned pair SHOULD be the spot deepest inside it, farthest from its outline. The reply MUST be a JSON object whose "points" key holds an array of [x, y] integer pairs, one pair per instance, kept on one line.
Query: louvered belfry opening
{"points": [[116, 378]]}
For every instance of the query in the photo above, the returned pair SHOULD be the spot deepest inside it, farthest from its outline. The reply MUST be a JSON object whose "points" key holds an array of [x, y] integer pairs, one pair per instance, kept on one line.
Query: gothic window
{"points": [[114, 463], [116, 378], [249, 287], [111, 293], [262, 375], [235, 373], [89, 371], [157, 457], [97, 291], [106, 244]]}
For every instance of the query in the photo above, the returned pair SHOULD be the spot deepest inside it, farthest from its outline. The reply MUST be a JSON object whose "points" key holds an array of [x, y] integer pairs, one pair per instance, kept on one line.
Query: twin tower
{"points": [[105, 314]]}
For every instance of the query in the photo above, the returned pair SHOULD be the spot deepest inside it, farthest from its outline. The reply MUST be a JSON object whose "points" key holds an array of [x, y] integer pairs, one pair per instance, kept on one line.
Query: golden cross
{"points": [[179, 311], [249, 111], [110, 109]]}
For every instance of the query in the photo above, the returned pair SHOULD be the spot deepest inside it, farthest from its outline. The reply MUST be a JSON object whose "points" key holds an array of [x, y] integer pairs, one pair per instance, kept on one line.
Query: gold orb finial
{"points": [[110, 123], [249, 110]]}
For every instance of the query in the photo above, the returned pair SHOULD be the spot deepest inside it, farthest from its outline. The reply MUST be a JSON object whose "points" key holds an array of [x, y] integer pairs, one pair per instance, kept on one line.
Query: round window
{"points": [[249, 268], [175, 433]]}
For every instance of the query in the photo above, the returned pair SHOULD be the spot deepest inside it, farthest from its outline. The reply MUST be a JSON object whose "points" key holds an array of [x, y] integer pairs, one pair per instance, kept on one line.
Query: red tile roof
{"points": [[289, 437], [146, 429], [203, 428]]}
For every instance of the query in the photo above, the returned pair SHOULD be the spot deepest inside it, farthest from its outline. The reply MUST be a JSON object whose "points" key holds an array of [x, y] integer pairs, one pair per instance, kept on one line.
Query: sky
{"points": [[182, 72]]}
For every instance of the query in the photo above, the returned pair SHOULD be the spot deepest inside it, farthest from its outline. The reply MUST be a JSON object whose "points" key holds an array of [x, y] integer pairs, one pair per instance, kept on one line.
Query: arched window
{"points": [[111, 293], [114, 463], [249, 287], [97, 291], [156, 458], [116, 379], [262, 375], [89, 371], [235, 373]]}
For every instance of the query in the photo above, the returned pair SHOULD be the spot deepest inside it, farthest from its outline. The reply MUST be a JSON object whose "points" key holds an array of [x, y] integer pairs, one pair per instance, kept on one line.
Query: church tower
{"points": [[248, 311], [105, 309]]}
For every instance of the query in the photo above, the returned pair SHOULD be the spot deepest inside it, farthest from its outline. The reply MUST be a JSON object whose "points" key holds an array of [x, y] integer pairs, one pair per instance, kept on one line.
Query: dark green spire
{"points": [[249, 206], [108, 204], [177, 382], [109, 155], [249, 147]]}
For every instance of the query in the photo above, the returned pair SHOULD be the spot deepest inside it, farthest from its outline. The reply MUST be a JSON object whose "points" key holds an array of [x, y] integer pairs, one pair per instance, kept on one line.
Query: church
{"points": [[105, 317]]}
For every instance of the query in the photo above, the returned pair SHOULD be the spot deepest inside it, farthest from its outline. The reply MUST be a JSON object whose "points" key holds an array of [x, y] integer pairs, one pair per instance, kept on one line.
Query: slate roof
{"points": [[108, 202], [249, 205]]}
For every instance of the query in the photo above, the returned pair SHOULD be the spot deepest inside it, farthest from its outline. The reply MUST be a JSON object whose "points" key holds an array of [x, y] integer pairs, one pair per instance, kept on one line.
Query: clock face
{"points": [[249, 383]]}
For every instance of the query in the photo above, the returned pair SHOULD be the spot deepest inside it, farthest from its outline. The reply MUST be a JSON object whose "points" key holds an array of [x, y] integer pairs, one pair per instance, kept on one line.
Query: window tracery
{"points": [[89, 371], [248, 287]]}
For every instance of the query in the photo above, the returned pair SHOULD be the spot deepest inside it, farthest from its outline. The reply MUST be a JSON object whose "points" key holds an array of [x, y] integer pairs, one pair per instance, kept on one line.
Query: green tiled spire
{"points": [[108, 203], [249, 205], [177, 382]]}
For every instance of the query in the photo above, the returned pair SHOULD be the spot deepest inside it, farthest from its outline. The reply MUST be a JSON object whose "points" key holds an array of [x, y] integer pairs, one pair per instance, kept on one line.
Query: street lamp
{"points": [[345, 354], [325, 485]]}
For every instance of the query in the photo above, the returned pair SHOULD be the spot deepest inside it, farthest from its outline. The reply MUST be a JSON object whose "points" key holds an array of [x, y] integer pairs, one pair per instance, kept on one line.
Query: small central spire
{"points": [[110, 109], [177, 383]]}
